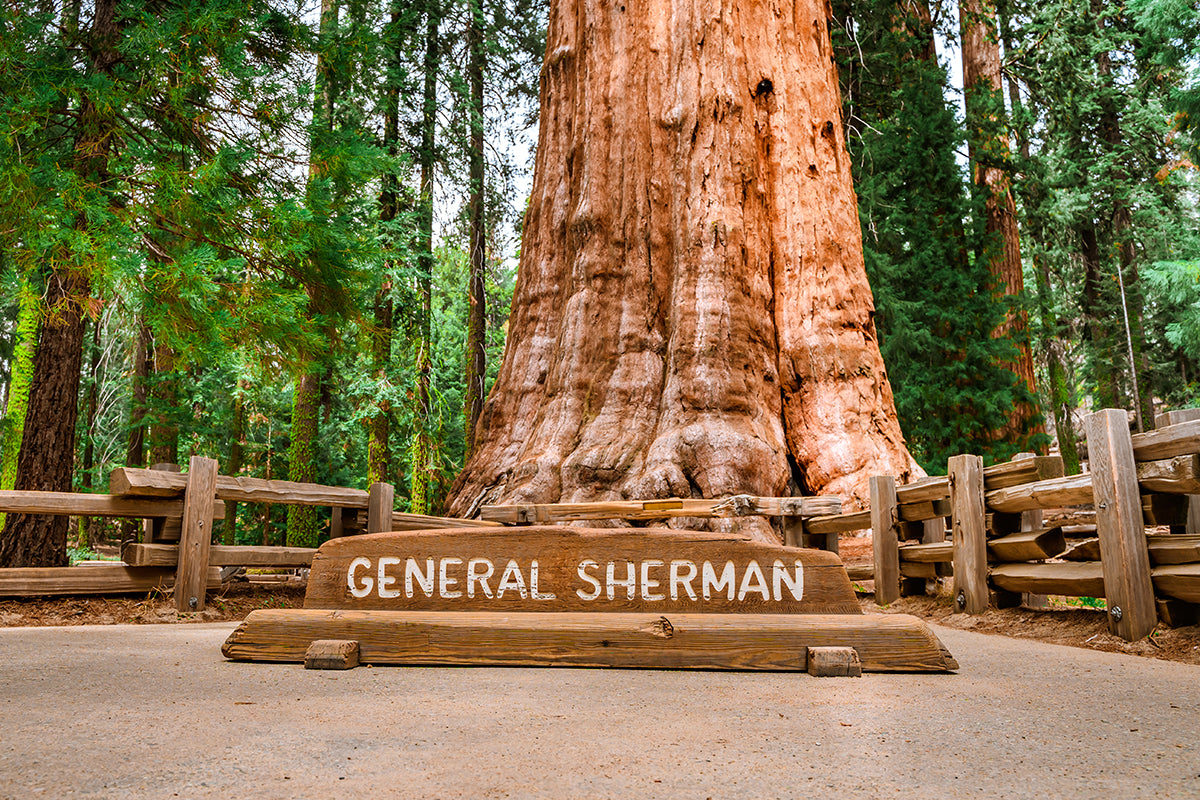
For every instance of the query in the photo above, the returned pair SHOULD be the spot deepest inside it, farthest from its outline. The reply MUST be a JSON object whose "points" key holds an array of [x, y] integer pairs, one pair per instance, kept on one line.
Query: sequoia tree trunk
{"points": [[692, 316]]}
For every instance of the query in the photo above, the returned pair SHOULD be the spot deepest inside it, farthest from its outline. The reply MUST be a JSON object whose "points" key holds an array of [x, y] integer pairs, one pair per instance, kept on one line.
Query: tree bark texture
{"points": [[692, 316], [476, 349], [982, 82]]}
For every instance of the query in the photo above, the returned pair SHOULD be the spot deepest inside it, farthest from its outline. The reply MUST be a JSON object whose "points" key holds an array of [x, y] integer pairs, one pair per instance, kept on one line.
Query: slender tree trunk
{"points": [[143, 364], [989, 158], [422, 488], [48, 441], [692, 316], [476, 355], [90, 404], [164, 432], [1098, 314], [233, 466], [17, 403]]}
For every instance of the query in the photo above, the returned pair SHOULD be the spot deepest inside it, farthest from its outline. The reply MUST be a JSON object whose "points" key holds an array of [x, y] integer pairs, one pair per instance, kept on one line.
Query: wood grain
{"points": [[932, 553], [167, 555], [885, 525], [839, 523], [1028, 545], [1174, 549], [641, 569], [1174, 440], [195, 534], [1181, 581], [97, 578], [737, 506], [1077, 579], [130, 481], [970, 534], [771, 642]]}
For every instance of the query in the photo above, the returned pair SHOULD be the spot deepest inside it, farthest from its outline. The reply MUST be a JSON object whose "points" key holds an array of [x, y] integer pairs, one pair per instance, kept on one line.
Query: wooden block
{"points": [[1177, 613], [1123, 552], [1087, 550], [861, 572], [839, 523], [380, 505], [739, 505], [1178, 475], [101, 578], [885, 539], [1181, 581], [770, 642], [1174, 440], [834, 662], [1176, 416], [336, 529], [1174, 548], [196, 536], [927, 553], [131, 481], [970, 536], [546, 569], [793, 531], [331, 654], [1074, 490], [1079, 579], [928, 509], [167, 555], [1028, 546]]}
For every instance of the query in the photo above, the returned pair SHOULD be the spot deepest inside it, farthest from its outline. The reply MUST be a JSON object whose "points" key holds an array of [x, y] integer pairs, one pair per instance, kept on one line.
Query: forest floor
{"points": [[1063, 624]]}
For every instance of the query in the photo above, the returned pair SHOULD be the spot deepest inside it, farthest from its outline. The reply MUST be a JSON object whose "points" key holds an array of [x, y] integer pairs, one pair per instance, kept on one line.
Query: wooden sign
{"points": [[554, 569]]}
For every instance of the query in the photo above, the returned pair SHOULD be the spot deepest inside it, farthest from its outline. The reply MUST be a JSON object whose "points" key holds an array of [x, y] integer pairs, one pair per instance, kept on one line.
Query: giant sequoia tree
{"points": [[692, 316]]}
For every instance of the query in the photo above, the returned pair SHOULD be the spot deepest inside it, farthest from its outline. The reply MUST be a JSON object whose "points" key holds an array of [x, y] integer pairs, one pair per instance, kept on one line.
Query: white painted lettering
{"points": [[630, 582], [684, 580], [709, 581], [445, 581], [648, 584], [533, 584], [584, 566], [424, 579], [512, 579], [474, 576], [795, 586], [759, 583], [368, 583], [385, 580]]}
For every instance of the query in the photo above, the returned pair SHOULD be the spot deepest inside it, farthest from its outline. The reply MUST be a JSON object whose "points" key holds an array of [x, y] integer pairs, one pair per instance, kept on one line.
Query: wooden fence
{"points": [[178, 510], [999, 551]]}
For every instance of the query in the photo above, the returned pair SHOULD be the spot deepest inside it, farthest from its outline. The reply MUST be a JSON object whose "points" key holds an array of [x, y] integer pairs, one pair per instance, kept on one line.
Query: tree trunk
{"points": [[476, 355], [17, 404], [692, 316], [233, 466], [988, 144], [164, 432], [302, 530], [48, 442]]}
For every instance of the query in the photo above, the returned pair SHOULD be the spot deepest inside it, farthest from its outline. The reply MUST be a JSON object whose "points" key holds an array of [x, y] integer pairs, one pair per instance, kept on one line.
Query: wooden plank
{"points": [[927, 553], [935, 487], [970, 534], [793, 531], [773, 642], [104, 578], [1174, 548], [130, 481], [89, 505], [1177, 613], [1173, 440], [1123, 552], [1176, 416], [918, 570], [381, 502], [1087, 550], [1073, 490], [885, 541], [1178, 475], [861, 572], [402, 521], [1078, 579], [1028, 545], [546, 569], [167, 555], [1181, 581], [739, 505], [996, 477], [336, 528], [839, 523], [927, 509], [196, 534]]}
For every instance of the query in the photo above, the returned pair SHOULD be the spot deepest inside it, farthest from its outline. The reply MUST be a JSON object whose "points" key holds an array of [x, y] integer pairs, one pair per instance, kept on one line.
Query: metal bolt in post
{"points": [[1115, 612], [961, 599], [193, 602]]}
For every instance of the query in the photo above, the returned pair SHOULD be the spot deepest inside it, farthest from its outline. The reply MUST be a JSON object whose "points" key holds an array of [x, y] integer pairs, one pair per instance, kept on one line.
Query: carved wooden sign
{"points": [[572, 569]]}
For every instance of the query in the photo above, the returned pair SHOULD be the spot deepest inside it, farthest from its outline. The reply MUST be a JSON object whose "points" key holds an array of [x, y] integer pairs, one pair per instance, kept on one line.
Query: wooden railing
{"points": [[1001, 553]]}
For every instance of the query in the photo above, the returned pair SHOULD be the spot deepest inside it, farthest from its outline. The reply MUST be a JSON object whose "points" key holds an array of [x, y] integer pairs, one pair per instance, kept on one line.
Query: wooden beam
{"points": [[402, 521], [1181, 581], [885, 541], [996, 477], [1123, 552], [102, 578], [861, 572], [130, 481], [970, 535], [1174, 548], [932, 553], [771, 642], [839, 523], [1073, 490], [1087, 550], [381, 502], [1178, 475], [1078, 579], [1164, 509], [1028, 545], [89, 505], [739, 505], [1174, 440], [927, 509], [167, 555], [196, 534]]}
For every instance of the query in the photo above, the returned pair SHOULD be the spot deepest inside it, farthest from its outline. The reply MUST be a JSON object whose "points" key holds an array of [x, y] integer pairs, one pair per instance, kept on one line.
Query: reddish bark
{"points": [[691, 316]]}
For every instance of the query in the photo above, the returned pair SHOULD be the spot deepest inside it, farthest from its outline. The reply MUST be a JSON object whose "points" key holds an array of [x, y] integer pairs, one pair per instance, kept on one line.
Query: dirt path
{"points": [[153, 711]]}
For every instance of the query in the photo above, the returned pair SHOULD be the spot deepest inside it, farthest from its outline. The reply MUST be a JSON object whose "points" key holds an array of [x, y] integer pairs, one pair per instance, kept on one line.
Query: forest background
{"points": [[285, 235]]}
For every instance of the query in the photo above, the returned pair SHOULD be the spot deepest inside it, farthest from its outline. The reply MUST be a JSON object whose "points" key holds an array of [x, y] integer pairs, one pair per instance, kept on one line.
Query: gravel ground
{"points": [[153, 711]]}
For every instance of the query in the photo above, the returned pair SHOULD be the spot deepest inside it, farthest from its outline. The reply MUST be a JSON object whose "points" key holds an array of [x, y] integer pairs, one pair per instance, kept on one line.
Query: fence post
{"points": [[970, 533], [885, 522], [191, 576], [381, 499], [1174, 418], [1124, 556]]}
